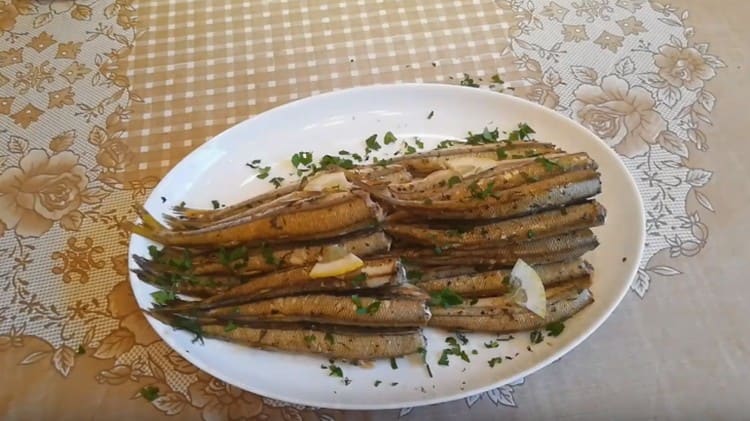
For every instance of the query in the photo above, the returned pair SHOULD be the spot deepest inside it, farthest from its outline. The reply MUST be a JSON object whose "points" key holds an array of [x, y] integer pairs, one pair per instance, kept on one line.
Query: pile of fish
{"points": [[353, 262]]}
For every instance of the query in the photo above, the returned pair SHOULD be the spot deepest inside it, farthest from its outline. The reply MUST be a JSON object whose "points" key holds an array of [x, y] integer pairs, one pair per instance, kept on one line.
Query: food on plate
{"points": [[356, 257]]}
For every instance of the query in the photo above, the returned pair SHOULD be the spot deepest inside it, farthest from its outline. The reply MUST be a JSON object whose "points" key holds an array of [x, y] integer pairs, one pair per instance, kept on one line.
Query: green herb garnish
{"points": [[548, 165], [150, 393], [495, 361], [491, 344], [479, 193], [555, 328], [264, 172], [445, 298], [276, 181], [230, 326], [162, 298], [522, 133], [155, 253], [309, 339], [372, 142], [191, 325], [536, 337], [370, 309], [329, 338], [268, 255], [394, 365], [329, 160], [419, 143], [530, 234], [359, 279], [233, 258], [335, 370], [487, 136], [215, 204], [389, 138], [377, 383], [453, 181], [496, 79], [302, 158], [255, 164], [501, 153], [430, 115], [468, 81]]}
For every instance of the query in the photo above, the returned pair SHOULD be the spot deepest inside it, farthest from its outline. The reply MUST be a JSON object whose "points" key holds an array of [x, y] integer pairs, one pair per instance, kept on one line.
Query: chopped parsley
{"points": [[370, 309], [234, 258], [359, 279], [474, 352], [255, 164], [162, 298], [446, 144], [522, 133], [454, 180], [191, 325], [496, 79], [334, 370], [372, 143], [389, 138], [328, 161], [548, 165], [329, 338], [487, 136], [394, 365], [479, 193], [264, 172], [454, 348], [309, 339], [155, 253], [501, 154], [302, 158], [495, 361], [430, 115], [150, 393], [468, 81], [536, 337], [357, 157], [230, 327], [445, 298], [419, 143], [268, 255], [276, 181], [555, 328], [394, 384], [461, 337], [347, 381], [215, 204], [377, 383], [491, 344]]}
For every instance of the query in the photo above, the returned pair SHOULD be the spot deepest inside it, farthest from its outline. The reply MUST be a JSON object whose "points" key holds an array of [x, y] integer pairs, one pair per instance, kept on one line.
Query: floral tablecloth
{"points": [[99, 98]]}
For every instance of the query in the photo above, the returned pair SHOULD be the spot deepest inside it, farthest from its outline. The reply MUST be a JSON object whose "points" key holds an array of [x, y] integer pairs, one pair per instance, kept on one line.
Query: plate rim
{"points": [[533, 368]]}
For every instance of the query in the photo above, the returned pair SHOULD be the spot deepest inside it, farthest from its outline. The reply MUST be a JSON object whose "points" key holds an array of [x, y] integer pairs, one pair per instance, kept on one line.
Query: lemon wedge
{"points": [[528, 289], [470, 165], [337, 267], [328, 181]]}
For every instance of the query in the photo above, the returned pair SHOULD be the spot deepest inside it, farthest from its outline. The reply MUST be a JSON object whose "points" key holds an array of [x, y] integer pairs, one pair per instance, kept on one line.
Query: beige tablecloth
{"points": [[99, 98]]}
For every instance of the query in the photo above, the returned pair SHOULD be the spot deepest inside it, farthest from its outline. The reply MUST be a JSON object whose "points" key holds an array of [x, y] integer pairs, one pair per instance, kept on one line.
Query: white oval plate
{"points": [[342, 120]]}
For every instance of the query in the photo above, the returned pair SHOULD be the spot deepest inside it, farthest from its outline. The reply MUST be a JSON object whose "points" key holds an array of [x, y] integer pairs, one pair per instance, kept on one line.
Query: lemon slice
{"points": [[528, 289], [340, 266], [470, 165], [328, 181]]}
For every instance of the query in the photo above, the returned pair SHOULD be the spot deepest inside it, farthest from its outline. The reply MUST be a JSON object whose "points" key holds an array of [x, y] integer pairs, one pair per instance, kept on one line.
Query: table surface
{"points": [[99, 98]]}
